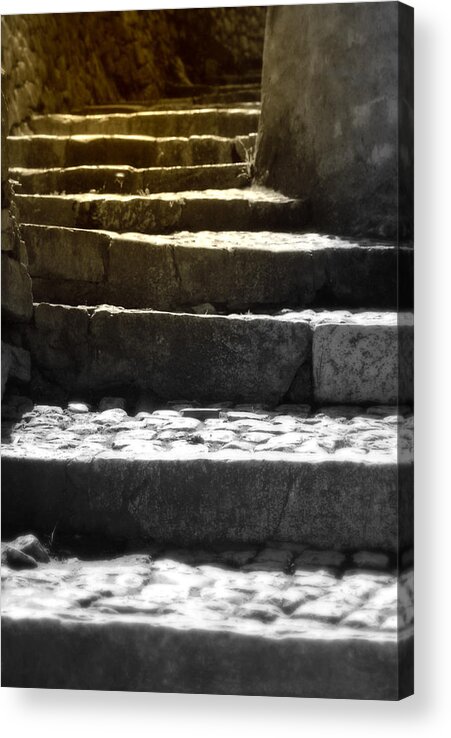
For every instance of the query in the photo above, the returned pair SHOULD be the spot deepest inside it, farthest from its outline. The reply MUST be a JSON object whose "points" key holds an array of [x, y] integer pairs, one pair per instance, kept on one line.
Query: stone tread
{"points": [[242, 598], [139, 151], [208, 121], [129, 180], [331, 479], [375, 435], [251, 209], [328, 357], [257, 596], [227, 269]]}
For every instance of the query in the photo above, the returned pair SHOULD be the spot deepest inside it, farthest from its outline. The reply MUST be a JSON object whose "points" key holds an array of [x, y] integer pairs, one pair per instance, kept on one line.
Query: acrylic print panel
{"points": [[207, 351]]}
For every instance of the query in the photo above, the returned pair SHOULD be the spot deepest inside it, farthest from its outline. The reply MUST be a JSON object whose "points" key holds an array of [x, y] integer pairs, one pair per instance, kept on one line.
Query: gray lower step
{"points": [[199, 626], [336, 357], [227, 122], [138, 151], [229, 270], [248, 209], [128, 180], [327, 479]]}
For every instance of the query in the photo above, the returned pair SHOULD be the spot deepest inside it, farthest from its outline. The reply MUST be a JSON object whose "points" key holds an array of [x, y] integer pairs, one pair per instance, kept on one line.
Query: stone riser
{"points": [[165, 214], [321, 358], [231, 269], [77, 655], [215, 499], [227, 122], [63, 151], [238, 86], [126, 180], [249, 95]]}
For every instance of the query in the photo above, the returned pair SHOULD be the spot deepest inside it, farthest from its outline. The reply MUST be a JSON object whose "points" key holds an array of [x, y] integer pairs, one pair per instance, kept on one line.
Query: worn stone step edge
{"points": [[168, 105], [60, 618], [139, 151], [226, 270], [222, 498], [129, 180], [218, 122], [77, 655], [196, 90], [334, 433], [300, 356], [234, 97], [192, 210]]}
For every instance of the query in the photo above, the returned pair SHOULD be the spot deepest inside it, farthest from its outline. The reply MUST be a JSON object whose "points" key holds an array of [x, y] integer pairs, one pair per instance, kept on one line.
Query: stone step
{"points": [[137, 151], [330, 357], [192, 210], [129, 180], [227, 122], [194, 623], [251, 94], [203, 89], [228, 270], [164, 104], [338, 478]]}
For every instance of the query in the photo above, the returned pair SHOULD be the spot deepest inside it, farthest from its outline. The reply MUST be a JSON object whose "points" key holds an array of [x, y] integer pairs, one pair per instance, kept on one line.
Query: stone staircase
{"points": [[217, 446]]}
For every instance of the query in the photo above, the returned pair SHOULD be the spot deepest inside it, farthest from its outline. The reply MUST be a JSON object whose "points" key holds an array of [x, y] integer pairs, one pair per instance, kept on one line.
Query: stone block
{"points": [[137, 151], [67, 255], [242, 358], [193, 499], [57, 340], [357, 361], [236, 270], [15, 364], [17, 304], [224, 123], [127, 180], [251, 209]]}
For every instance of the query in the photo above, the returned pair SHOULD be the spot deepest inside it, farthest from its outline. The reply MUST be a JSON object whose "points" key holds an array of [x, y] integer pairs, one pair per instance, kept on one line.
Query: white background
{"points": [[51, 714]]}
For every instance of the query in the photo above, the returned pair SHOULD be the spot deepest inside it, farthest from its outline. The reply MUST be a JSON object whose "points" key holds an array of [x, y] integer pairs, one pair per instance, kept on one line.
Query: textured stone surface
{"points": [[251, 358], [28, 545], [135, 54], [241, 477], [360, 360], [67, 256], [129, 180], [137, 151], [226, 122], [248, 209], [17, 302], [227, 269], [256, 630], [337, 123], [15, 364]]}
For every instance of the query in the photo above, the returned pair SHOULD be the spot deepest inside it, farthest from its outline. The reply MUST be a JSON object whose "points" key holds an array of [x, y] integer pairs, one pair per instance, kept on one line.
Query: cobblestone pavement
{"points": [[281, 589], [339, 432]]}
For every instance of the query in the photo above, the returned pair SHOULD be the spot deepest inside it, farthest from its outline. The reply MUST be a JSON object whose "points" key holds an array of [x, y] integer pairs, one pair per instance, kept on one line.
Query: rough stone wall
{"points": [[221, 40], [58, 62], [16, 282], [335, 125]]}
